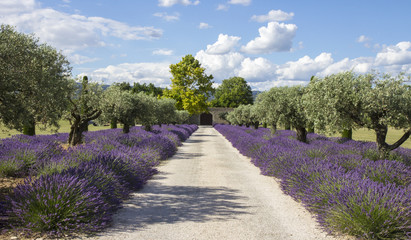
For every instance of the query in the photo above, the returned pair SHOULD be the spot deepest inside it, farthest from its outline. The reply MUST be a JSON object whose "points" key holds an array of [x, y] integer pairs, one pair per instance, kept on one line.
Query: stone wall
{"points": [[216, 111], [195, 119]]}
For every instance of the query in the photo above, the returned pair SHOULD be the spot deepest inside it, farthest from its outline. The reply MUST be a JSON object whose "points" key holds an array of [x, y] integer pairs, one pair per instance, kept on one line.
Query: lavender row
{"points": [[344, 184], [78, 189]]}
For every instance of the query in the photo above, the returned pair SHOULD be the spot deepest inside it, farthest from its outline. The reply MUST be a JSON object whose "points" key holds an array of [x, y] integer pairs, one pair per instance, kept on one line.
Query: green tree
{"points": [[374, 101], [121, 105], [148, 112], [182, 116], [243, 115], [85, 108], [292, 111], [150, 89], [166, 111], [191, 87], [322, 101], [34, 82], [232, 93], [267, 108]]}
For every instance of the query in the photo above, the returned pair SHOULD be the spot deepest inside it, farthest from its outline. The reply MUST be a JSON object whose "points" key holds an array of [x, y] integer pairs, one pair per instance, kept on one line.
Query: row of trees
{"points": [[36, 88], [336, 103], [119, 105]]}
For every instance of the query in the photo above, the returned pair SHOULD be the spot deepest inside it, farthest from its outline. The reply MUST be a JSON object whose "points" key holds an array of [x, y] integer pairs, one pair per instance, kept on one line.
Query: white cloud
{"points": [[399, 54], [223, 45], [156, 73], [273, 15], [65, 31], [220, 66], [204, 25], [276, 37], [363, 38], [222, 7], [241, 2], [168, 18], [164, 52], [258, 69], [79, 59], [8, 7], [305, 67], [169, 3], [360, 65]]}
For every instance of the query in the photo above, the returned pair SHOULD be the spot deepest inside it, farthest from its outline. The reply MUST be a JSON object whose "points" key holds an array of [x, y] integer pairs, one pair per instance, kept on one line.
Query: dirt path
{"points": [[208, 190]]}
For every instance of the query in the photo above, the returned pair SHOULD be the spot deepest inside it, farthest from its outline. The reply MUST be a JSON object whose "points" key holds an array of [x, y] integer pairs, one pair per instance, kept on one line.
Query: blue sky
{"points": [[269, 43]]}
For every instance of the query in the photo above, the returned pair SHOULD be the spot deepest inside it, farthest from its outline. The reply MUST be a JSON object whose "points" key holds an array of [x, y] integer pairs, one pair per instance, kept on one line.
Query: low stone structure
{"points": [[215, 111]]}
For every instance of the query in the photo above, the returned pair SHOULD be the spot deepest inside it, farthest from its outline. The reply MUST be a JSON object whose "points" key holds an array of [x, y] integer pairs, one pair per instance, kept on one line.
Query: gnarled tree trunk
{"points": [[80, 125], [301, 134]]}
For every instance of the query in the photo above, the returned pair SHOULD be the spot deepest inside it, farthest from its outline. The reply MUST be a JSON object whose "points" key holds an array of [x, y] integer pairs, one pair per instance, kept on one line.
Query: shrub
{"points": [[58, 204]]}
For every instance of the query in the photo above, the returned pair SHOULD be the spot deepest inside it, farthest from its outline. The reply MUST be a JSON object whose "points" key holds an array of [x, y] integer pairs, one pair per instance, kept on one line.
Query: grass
{"points": [[365, 134], [64, 128]]}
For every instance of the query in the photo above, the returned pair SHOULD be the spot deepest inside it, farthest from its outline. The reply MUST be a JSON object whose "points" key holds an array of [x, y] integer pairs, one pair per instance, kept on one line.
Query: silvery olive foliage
{"points": [[243, 115], [348, 100], [34, 81], [124, 106]]}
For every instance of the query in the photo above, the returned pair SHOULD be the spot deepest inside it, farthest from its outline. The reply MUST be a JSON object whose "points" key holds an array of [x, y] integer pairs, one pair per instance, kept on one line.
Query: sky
{"points": [[268, 43]]}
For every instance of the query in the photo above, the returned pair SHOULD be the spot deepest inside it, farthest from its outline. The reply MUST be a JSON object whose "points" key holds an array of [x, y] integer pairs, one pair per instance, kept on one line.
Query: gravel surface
{"points": [[208, 190]]}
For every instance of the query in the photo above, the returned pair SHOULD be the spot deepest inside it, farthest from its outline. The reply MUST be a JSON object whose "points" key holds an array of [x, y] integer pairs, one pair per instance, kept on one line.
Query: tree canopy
{"points": [[372, 100], [267, 108], [121, 105], [232, 93], [148, 89], [191, 86], [34, 82]]}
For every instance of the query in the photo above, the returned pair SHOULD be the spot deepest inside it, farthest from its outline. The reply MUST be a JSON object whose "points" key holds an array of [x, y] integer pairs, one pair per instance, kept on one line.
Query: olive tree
{"points": [[243, 115], [84, 108], [291, 108], [34, 82], [182, 116], [166, 111], [149, 107], [266, 107], [122, 105], [374, 101]]}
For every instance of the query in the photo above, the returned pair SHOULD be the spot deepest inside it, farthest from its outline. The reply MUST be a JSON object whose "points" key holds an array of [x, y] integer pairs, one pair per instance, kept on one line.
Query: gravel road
{"points": [[208, 190]]}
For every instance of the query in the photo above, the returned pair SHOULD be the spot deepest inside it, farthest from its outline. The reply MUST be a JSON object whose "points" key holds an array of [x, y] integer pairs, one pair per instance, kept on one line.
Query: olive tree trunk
{"points": [[80, 125], [273, 128], [383, 147], [347, 133], [301, 134], [30, 128]]}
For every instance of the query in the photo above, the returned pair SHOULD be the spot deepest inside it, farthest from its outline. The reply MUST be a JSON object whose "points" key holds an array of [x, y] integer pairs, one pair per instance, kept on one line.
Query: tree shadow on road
{"points": [[172, 204]]}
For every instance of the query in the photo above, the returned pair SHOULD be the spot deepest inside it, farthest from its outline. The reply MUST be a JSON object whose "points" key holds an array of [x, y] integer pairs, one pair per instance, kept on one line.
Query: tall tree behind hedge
{"points": [[34, 82], [232, 93], [149, 89], [191, 87]]}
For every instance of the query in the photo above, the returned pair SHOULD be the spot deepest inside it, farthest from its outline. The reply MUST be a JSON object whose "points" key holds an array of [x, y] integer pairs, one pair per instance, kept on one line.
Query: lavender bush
{"points": [[344, 183], [79, 188], [58, 204]]}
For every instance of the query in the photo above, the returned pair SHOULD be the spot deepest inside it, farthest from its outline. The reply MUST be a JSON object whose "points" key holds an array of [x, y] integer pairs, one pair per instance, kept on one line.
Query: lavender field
{"points": [[343, 183], [78, 189]]}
